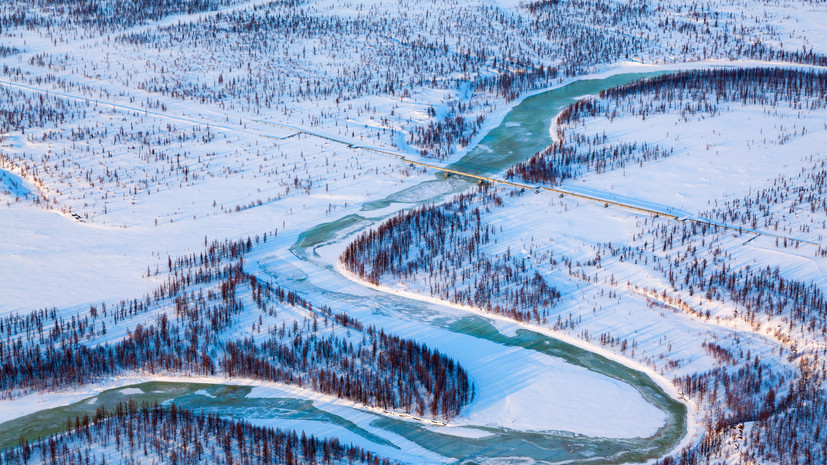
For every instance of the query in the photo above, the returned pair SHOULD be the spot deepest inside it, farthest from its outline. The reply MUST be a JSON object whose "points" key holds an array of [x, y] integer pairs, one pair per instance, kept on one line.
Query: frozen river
{"points": [[537, 399]]}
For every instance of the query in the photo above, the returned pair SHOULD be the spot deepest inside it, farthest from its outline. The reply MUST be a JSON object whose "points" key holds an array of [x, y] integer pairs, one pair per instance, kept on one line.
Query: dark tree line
{"points": [[561, 161], [176, 436], [761, 291], [412, 377], [442, 245], [183, 326], [8, 51]]}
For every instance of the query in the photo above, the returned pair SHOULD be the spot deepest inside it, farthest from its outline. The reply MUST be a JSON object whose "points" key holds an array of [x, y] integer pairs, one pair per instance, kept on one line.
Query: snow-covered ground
{"points": [[627, 278], [124, 144]]}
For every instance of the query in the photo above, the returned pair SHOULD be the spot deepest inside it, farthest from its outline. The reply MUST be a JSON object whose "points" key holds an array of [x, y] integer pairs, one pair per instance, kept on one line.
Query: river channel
{"points": [[307, 265]]}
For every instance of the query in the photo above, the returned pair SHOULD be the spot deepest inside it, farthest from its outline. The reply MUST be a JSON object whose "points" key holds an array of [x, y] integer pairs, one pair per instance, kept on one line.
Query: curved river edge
{"points": [[492, 152], [555, 447], [680, 428], [654, 387], [507, 152], [27, 426]]}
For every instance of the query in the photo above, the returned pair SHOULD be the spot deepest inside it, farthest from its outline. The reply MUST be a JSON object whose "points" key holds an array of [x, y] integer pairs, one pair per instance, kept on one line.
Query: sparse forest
{"points": [[130, 129], [355, 60], [767, 408]]}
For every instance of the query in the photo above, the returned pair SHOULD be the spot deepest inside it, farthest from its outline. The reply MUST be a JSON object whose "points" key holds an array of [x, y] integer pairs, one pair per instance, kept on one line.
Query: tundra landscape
{"points": [[413, 232]]}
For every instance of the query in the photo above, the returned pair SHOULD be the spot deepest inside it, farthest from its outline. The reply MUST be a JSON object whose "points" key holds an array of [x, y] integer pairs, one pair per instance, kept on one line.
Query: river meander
{"points": [[523, 132], [308, 269]]}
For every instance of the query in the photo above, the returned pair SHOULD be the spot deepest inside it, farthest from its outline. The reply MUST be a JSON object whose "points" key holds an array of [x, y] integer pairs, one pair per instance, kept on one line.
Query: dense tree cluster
{"points": [[445, 247], [131, 433], [688, 93], [566, 160], [187, 325], [8, 51], [412, 377]]}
